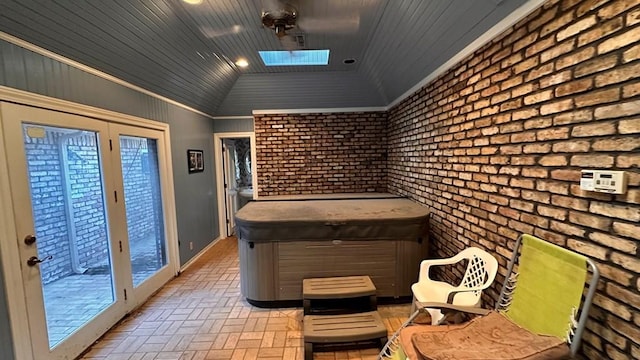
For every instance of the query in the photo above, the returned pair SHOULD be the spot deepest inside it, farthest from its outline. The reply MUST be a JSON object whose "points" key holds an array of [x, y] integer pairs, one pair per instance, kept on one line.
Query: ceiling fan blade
{"points": [[211, 33], [289, 43], [271, 4], [344, 25], [277, 7]]}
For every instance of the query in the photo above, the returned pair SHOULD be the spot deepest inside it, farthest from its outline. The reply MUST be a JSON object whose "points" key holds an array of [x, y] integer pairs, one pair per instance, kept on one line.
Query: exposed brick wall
{"points": [[47, 200], [321, 153], [145, 224], [495, 147], [87, 201], [136, 155], [50, 196]]}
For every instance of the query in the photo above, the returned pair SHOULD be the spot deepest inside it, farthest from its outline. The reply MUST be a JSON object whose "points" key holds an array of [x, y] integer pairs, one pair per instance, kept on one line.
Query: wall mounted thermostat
{"points": [[607, 181]]}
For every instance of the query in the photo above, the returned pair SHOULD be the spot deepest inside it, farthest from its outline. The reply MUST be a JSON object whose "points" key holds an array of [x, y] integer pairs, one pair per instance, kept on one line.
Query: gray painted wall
{"points": [[299, 91], [233, 125], [6, 347], [195, 193], [25, 70], [196, 200]]}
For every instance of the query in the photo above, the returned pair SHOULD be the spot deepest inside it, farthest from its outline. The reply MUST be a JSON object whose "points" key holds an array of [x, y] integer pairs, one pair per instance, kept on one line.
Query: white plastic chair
{"points": [[481, 271]]}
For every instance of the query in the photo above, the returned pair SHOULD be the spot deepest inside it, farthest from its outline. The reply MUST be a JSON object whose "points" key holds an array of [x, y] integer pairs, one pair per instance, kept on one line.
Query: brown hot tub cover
{"points": [[345, 219]]}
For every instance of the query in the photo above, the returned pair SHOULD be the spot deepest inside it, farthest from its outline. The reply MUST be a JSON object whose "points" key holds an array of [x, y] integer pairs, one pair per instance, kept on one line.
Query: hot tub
{"points": [[282, 242]]}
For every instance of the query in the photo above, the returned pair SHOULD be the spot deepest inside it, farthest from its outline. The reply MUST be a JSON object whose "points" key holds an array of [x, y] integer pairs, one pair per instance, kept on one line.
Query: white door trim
{"points": [[10, 261], [156, 281], [26, 98], [9, 256], [217, 153]]}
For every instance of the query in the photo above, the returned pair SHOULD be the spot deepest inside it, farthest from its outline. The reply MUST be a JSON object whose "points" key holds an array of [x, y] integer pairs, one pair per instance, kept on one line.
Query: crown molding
{"points": [[320, 110]]}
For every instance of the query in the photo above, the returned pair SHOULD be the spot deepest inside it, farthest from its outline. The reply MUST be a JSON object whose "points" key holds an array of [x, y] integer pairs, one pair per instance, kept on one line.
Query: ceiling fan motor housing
{"points": [[280, 20]]}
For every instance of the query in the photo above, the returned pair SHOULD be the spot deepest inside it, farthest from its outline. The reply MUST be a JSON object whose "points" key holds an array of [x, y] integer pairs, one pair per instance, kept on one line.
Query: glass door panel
{"points": [[143, 203], [67, 199], [60, 173], [89, 213]]}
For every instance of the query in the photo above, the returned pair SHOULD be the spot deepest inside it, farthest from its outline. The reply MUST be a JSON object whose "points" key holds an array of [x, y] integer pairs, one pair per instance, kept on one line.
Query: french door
{"points": [[89, 214]]}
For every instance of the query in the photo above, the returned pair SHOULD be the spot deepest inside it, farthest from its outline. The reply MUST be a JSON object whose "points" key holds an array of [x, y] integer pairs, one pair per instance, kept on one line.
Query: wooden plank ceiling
{"points": [[187, 52]]}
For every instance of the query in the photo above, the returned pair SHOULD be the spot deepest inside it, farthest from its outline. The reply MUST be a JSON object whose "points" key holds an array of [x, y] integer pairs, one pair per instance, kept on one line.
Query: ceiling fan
{"points": [[281, 17]]}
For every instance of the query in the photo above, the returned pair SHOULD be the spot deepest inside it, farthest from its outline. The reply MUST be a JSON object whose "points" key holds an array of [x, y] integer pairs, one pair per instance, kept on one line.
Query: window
{"points": [[295, 57]]}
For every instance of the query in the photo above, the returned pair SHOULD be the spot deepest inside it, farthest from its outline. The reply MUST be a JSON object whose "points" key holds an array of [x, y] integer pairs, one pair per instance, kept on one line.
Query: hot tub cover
{"points": [[344, 219]]}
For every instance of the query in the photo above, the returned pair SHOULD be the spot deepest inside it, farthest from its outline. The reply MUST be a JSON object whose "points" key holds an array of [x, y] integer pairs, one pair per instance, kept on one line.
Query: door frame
{"points": [[9, 255], [217, 153]]}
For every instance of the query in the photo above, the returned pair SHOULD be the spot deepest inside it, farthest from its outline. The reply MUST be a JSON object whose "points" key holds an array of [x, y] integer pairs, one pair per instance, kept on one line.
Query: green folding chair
{"points": [[540, 314]]}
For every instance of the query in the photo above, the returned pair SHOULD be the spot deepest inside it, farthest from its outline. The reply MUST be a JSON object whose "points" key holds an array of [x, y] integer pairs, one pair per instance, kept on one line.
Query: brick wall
{"points": [[47, 200], [321, 153], [52, 200], [137, 188], [495, 147], [83, 166], [49, 197], [145, 220]]}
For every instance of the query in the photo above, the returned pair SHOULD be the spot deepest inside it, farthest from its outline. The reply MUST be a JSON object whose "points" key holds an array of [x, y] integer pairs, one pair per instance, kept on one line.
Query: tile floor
{"points": [[201, 315]]}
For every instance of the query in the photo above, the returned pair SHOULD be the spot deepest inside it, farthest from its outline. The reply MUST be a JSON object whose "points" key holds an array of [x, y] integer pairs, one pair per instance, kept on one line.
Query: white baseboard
{"points": [[198, 255]]}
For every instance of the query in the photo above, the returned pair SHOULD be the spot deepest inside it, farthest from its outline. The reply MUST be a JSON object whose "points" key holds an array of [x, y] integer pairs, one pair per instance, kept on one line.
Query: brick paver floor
{"points": [[73, 300], [201, 315]]}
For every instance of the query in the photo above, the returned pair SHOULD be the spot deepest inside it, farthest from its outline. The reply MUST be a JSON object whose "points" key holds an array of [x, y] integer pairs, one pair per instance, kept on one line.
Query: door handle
{"points": [[33, 261], [30, 239]]}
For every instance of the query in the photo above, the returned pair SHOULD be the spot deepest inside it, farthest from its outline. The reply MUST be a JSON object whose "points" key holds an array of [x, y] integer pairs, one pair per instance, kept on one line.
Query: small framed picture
{"points": [[195, 160]]}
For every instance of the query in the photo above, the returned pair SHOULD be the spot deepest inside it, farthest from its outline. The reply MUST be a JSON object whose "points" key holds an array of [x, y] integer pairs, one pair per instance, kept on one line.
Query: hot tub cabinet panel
{"points": [[313, 259], [277, 254], [258, 266]]}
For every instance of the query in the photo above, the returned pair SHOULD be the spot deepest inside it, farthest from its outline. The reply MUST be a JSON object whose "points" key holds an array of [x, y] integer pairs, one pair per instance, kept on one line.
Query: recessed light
{"points": [[193, 2], [242, 62], [349, 61]]}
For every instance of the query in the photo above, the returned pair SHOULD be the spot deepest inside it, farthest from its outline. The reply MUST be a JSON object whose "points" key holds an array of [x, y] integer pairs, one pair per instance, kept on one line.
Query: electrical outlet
{"points": [[190, 245]]}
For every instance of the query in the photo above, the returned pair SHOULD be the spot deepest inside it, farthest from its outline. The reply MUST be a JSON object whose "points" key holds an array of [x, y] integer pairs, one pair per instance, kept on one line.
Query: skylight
{"points": [[295, 57]]}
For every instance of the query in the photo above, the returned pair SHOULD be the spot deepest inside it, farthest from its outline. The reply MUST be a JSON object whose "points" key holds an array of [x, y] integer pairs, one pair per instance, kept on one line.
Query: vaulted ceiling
{"points": [[187, 52]]}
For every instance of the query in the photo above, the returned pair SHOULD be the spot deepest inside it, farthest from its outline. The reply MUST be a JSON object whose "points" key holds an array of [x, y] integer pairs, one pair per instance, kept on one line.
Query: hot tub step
{"points": [[348, 330], [338, 295]]}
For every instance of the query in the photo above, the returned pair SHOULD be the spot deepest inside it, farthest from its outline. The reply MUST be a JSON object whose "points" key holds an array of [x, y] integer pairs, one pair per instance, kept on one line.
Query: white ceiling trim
{"points": [[239, 117], [44, 52], [496, 30], [320, 110]]}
